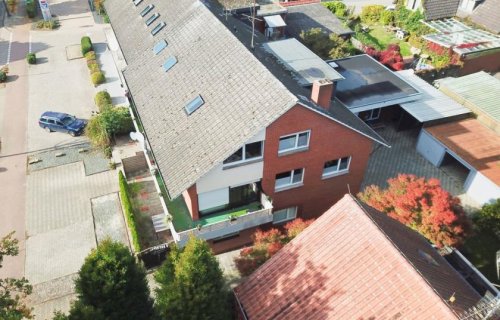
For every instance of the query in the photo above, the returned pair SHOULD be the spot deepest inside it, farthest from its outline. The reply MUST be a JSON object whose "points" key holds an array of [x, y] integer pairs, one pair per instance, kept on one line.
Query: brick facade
{"points": [[486, 62], [191, 199], [328, 141]]}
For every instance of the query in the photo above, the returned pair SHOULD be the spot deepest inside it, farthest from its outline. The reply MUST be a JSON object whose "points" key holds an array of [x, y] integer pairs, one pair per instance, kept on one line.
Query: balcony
{"points": [[221, 223]]}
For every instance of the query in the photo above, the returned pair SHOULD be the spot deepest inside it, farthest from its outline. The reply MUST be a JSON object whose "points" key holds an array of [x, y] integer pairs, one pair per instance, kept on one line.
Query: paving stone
{"points": [[403, 157], [108, 219]]}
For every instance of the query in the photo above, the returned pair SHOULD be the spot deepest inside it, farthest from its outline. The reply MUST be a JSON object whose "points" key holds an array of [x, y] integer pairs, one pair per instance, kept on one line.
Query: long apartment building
{"points": [[239, 138]]}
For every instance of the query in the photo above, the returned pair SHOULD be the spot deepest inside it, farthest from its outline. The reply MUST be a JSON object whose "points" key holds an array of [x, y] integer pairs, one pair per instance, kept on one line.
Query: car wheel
{"points": [[47, 129], [72, 133]]}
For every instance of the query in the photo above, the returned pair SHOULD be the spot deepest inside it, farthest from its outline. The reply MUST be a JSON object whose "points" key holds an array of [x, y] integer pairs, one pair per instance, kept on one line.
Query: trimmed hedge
{"points": [[31, 58], [97, 78], [86, 45], [30, 8], [129, 212], [3, 76], [102, 100], [90, 55], [94, 67]]}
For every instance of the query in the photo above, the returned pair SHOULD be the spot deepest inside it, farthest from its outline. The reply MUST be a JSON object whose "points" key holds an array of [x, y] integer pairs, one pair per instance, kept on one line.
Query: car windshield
{"points": [[68, 120]]}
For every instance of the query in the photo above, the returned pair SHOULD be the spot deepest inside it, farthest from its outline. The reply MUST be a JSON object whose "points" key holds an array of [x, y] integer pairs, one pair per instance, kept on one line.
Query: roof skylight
{"points": [[147, 10], [136, 2], [158, 27], [193, 105], [152, 19], [169, 63], [162, 44]]}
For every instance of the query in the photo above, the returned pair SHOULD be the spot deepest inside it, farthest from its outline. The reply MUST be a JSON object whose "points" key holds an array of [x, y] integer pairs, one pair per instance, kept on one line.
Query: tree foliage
{"points": [[266, 244], [488, 218], [13, 291], [111, 285], [326, 46], [191, 285], [338, 8], [111, 121], [371, 14], [391, 57], [422, 205]]}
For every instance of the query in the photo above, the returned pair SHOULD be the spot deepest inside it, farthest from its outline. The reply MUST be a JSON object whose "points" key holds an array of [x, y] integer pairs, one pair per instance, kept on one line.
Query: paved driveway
{"points": [[60, 229]]}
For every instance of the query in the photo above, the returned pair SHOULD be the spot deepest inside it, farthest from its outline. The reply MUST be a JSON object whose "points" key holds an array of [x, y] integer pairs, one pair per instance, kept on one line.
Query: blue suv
{"points": [[62, 122]]}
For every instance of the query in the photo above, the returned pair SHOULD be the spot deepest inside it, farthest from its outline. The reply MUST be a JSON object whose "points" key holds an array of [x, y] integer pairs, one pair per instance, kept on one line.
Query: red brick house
{"points": [[239, 139], [354, 262]]}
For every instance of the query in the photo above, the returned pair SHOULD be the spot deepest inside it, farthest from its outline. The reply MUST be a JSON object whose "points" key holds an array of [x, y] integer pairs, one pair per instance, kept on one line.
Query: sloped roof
{"points": [[433, 104], [439, 9], [476, 144], [241, 96], [354, 262], [487, 14], [305, 17]]}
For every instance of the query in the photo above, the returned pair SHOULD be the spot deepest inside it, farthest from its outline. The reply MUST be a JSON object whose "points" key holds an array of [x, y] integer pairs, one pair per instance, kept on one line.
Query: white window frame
{"points": [[291, 184], [371, 117], [291, 213], [243, 155], [296, 147], [338, 171]]}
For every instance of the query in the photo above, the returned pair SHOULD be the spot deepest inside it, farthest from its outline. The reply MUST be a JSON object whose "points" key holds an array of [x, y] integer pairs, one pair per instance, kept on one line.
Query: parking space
{"points": [[59, 84]]}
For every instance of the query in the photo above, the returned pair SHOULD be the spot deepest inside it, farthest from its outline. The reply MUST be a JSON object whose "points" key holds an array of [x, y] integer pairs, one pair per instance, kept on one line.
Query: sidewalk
{"points": [[14, 105]]}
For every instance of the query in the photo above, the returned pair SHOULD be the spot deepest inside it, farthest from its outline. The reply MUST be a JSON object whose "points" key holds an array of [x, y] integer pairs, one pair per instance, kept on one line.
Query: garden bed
{"points": [[380, 38]]}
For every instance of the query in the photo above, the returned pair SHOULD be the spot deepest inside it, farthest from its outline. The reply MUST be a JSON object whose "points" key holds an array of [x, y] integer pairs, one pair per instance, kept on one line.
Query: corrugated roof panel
{"points": [[433, 104], [478, 90]]}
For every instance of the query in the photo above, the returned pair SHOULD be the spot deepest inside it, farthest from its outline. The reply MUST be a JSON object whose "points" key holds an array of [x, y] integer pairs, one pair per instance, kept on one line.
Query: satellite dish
{"points": [[137, 136]]}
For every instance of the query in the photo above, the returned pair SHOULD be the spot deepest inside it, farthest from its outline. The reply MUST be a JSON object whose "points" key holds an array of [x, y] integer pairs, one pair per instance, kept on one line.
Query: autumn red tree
{"points": [[392, 58], [423, 206], [266, 244]]}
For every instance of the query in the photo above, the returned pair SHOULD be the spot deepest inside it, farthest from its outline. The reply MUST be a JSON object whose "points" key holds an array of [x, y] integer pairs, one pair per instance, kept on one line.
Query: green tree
{"points": [[191, 285], [324, 45], [488, 218], [13, 291], [111, 285]]}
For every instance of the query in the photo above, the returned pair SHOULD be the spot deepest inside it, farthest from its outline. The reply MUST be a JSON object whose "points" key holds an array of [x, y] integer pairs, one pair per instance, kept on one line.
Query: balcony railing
{"points": [[229, 226]]}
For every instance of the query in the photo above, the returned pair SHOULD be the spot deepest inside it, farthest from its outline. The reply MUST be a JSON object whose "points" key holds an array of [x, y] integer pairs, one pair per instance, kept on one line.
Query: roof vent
{"points": [[136, 2], [171, 61], [162, 44], [158, 27], [194, 105], [152, 19], [147, 10]]}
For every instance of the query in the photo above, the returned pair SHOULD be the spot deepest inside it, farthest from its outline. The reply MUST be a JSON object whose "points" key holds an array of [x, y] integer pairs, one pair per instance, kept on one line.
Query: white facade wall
{"points": [[430, 149], [218, 178], [481, 189]]}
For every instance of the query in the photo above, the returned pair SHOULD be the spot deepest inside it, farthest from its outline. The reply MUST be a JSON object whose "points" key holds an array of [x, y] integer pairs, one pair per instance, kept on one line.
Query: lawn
{"points": [[379, 38], [481, 250]]}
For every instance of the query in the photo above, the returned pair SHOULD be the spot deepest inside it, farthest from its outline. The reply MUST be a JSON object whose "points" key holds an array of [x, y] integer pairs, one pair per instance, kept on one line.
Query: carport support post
{"points": [[6, 9]]}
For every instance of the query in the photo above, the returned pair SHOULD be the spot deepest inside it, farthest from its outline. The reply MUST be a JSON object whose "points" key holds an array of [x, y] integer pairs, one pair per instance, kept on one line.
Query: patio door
{"points": [[242, 195]]}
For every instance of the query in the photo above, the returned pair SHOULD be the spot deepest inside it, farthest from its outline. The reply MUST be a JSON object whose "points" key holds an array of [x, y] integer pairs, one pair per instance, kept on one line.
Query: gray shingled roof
{"points": [[241, 95], [439, 9], [487, 14], [305, 17]]}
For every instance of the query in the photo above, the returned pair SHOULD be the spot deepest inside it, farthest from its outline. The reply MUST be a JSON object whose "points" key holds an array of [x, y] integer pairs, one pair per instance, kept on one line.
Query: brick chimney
{"points": [[322, 91]]}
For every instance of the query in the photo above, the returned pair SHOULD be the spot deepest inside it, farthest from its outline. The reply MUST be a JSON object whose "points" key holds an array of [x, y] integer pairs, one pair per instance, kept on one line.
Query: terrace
{"points": [[218, 224]]}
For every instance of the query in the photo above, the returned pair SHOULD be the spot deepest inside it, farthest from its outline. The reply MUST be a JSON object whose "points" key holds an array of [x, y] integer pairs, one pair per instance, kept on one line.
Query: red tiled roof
{"points": [[355, 263], [476, 144]]}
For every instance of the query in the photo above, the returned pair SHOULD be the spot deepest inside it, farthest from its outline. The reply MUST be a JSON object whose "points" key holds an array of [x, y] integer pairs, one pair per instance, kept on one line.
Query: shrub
{"points": [[30, 8], [3, 76], [371, 14], [91, 61], [90, 55], [117, 120], [387, 17], [49, 24], [96, 132], [128, 209], [31, 58], [86, 44], [338, 8], [97, 78], [488, 218], [93, 67], [102, 100]]}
